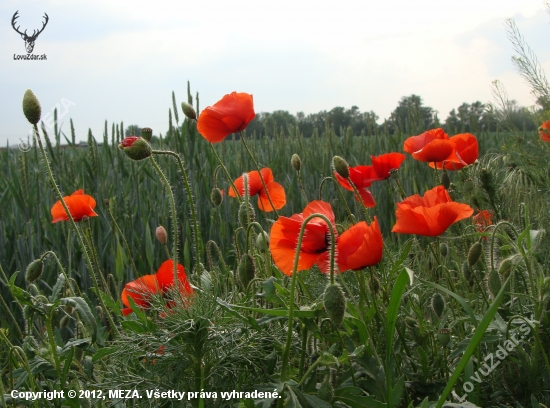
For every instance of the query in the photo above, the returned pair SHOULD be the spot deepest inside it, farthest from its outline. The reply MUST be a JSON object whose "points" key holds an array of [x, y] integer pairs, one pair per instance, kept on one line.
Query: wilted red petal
{"points": [[231, 114], [165, 277], [384, 163], [360, 246], [140, 290], [430, 215], [80, 205]]}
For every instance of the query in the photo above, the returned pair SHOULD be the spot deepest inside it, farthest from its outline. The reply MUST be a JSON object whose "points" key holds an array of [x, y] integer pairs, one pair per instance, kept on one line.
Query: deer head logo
{"points": [[29, 39]]}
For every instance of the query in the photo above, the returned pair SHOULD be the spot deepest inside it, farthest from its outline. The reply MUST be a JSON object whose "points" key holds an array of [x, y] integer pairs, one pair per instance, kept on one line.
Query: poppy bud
{"points": [[262, 241], [468, 186], [161, 234], [216, 196], [438, 304], [340, 166], [296, 162], [64, 321], [69, 308], [335, 303], [445, 180], [474, 253], [246, 270], [494, 284], [374, 284], [31, 107], [34, 270], [28, 312], [505, 266], [466, 271], [444, 336], [136, 148], [147, 133], [443, 249], [326, 392], [411, 323], [188, 111], [245, 217]]}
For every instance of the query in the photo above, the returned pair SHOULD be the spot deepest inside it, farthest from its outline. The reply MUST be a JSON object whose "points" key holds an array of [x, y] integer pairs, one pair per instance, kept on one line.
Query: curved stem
{"points": [[187, 185], [286, 352], [174, 217], [76, 230], [237, 195]]}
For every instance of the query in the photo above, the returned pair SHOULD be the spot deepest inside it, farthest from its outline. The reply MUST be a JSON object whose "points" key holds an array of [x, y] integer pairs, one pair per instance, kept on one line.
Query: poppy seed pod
{"points": [[438, 304], [216, 196], [136, 148], [188, 111], [474, 253], [34, 270], [31, 107], [340, 166], [161, 234], [444, 336], [147, 133], [296, 162], [335, 303]]}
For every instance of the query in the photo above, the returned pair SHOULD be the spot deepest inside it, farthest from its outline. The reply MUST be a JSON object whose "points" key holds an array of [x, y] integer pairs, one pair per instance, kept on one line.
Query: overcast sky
{"points": [[120, 60]]}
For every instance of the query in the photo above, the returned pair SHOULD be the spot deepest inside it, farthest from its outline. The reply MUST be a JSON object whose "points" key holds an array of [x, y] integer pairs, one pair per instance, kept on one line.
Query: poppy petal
{"points": [[140, 290], [277, 195], [435, 151], [80, 205], [165, 277], [385, 163], [360, 246]]}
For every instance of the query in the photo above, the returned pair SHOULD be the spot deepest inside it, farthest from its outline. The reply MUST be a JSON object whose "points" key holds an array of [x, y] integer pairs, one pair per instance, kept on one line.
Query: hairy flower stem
{"points": [[89, 242], [226, 173], [301, 185], [174, 217], [259, 172], [191, 203], [400, 189], [126, 246], [77, 232], [437, 179], [53, 346], [266, 250], [286, 352]]}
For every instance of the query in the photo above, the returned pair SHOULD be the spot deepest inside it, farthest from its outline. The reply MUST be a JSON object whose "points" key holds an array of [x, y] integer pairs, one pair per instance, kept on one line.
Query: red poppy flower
{"points": [[141, 290], [482, 220], [315, 243], [255, 187], [430, 215], [544, 131], [385, 163], [466, 152], [362, 177], [80, 205], [231, 114], [360, 246], [431, 146], [165, 277]]}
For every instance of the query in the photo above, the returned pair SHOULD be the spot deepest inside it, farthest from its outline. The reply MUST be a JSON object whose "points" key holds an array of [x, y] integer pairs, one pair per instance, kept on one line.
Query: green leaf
{"points": [[21, 295], [229, 308], [67, 365], [119, 262], [105, 351], [354, 397], [85, 314], [58, 287]]}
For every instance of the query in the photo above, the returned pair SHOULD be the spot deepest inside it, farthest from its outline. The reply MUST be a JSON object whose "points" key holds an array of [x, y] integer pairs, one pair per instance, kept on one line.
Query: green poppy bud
{"points": [[466, 271], [136, 148], [262, 241], [65, 320], [335, 303], [494, 284], [188, 111], [341, 167], [445, 180], [31, 107], [216, 196], [505, 266], [246, 217], [34, 270], [296, 162], [246, 270], [438, 304], [474, 253], [443, 249]]}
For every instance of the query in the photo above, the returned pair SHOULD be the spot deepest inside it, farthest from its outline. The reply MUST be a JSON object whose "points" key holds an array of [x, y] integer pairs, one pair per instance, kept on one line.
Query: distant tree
{"points": [[132, 130], [411, 116]]}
